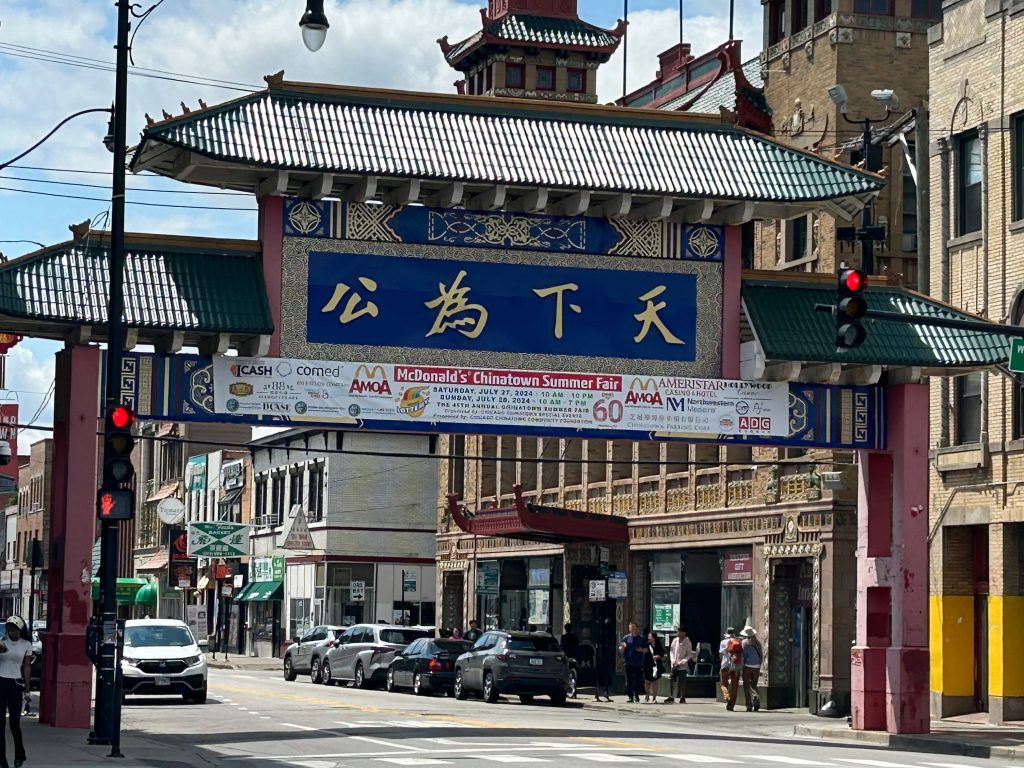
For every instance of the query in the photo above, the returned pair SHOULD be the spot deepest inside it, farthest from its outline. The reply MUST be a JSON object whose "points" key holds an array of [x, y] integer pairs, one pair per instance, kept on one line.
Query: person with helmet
{"points": [[15, 672]]}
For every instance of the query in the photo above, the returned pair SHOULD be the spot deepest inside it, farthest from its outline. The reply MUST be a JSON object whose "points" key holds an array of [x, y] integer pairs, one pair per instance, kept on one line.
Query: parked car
{"points": [[362, 654], [305, 656], [38, 630], [426, 666], [162, 657], [523, 663]]}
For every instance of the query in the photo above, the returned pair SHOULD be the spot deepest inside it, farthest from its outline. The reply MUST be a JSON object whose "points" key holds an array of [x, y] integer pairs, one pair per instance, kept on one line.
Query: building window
{"points": [[489, 78], [576, 80], [968, 184], [909, 213], [316, 492], [968, 408], [259, 511], [873, 7], [545, 78], [277, 500], [172, 461], [776, 21], [798, 240], [926, 9], [800, 19], [822, 8], [1017, 166], [296, 476], [515, 76]]}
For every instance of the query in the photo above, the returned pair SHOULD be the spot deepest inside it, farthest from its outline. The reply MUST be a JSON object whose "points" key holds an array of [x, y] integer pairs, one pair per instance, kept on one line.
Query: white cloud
{"points": [[30, 373]]}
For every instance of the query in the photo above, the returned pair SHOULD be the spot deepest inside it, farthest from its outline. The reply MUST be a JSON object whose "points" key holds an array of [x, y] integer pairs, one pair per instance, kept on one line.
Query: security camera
{"points": [[5, 453], [886, 96], [838, 95]]}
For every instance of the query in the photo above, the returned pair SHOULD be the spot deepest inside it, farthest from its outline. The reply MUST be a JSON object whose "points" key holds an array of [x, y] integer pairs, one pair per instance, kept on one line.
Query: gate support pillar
{"points": [[66, 686], [890, 659]]}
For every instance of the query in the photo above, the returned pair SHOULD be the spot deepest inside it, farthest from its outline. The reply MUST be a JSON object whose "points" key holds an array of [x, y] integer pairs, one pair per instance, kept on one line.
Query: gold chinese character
{"points": [[650, 317], [559, 290], [350, 312], [452, 302]]}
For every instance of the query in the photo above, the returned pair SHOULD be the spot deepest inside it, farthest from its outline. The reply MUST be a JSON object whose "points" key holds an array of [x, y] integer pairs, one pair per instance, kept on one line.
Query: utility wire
{"points": [[128, 202], [56, 128], [132, 188]]}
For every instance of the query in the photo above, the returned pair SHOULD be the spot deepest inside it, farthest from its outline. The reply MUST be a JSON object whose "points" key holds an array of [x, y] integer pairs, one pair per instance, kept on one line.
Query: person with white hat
{"points": [[15, 672], [753, 656]]}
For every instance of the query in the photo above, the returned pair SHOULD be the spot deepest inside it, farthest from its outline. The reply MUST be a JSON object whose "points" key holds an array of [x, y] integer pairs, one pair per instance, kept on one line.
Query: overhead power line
{"points": [[132, 188], [128, 202]]}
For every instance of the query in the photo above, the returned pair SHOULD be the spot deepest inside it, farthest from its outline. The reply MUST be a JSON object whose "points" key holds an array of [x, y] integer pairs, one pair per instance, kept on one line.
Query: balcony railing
{"points": [[740, 493], [709, 496], [680, 500]]}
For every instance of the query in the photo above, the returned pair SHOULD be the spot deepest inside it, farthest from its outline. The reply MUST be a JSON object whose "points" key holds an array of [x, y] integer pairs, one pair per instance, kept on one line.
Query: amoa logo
{"points": [[643, 391], [243, 369], [371, 381], [414, 401]]}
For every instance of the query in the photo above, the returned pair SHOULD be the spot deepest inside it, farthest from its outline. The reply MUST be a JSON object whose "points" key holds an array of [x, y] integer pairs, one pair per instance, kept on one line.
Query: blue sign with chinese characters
{"points": [[429, 303]]}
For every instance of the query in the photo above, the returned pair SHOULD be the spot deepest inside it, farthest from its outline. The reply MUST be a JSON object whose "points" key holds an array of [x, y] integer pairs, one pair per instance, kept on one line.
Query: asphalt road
{"points": [[257, 720]]}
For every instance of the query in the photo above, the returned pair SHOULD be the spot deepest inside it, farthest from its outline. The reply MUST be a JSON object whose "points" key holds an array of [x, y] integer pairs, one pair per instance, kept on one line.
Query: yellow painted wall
{"points": [[951, 635], [1005, 630]]}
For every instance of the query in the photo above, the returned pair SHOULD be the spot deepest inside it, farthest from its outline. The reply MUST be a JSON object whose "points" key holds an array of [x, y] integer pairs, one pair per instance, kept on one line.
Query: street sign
{"points": [[597, 590], [408, 581], [218, 540], [357, 590], [299, 536], [617, 585], [170, 511], [1017, 355]]}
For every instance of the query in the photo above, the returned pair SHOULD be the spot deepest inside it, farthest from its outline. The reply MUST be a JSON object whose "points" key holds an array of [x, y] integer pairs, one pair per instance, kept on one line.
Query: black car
{"points": [[426, 666]]}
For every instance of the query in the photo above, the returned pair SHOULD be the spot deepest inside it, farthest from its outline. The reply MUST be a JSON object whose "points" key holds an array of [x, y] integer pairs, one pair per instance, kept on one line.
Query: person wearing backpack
{"points": [[753, 656], [730, 653]]}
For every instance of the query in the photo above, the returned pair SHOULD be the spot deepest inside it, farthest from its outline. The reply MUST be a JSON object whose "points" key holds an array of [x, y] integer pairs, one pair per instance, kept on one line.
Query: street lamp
{"points": [[886, 97], [314, 25]]}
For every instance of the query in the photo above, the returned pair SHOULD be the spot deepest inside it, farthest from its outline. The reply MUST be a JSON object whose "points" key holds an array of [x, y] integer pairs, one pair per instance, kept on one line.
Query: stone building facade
{"points": [[34, 503], [977, 242]]}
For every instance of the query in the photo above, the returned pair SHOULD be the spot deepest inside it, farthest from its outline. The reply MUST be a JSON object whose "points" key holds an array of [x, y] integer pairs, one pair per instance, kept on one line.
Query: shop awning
{"points": [[147, 594], [230, 499], [534, 522], [156, 563], [259, 591], [127, 589], [168, 489]]}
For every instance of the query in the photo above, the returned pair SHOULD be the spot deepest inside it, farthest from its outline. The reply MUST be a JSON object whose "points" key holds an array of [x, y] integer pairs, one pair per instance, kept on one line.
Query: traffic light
{"points": [[851, 306], [116, 497]]}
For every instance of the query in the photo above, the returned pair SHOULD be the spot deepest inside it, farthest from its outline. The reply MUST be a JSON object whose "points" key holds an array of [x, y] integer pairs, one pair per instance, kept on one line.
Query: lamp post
{"points": [[887, 97], [106, 725]]}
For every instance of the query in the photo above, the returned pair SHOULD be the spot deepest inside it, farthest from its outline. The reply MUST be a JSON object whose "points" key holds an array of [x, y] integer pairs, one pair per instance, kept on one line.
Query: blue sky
{"points": [[385, 43]]}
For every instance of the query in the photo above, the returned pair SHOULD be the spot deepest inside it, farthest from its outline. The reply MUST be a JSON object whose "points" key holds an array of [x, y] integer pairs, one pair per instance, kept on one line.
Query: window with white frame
{"points": [[316, 491]]}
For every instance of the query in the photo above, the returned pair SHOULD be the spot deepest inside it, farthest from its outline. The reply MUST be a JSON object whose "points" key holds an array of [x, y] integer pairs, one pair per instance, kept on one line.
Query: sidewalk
{"points": [[49, 747], [243, 662]]}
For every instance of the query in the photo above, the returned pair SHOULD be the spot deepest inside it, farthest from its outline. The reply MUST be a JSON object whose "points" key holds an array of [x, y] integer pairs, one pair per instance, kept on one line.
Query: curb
{"points": [[268, 667], [923, 743]]}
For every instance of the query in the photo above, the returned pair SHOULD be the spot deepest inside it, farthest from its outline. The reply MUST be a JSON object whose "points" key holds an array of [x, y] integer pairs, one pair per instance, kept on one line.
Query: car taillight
{"points": [[330, 643], [503, 657], [382, 649], [434, 665]]}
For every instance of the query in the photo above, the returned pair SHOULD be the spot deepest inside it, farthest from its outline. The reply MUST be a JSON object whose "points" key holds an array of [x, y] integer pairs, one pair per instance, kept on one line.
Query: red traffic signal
{"points": [[853, 280], [115, 504], [122, 417], [851, 305]]}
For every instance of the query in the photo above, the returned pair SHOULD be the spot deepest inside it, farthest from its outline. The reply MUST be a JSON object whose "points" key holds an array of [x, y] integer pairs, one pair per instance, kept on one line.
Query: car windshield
{"points": [[452, 646], [401, 636], [157, 637], [533, 644]]}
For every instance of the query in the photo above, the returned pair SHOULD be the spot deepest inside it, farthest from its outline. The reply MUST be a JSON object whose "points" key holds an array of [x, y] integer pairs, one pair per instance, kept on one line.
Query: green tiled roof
{"points": [[788, 328], [490, 141], [722, 93], [201, 289], [537, 30]]}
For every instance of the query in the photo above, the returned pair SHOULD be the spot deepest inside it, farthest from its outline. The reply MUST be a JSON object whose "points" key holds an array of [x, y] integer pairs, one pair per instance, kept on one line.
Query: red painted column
{"points": [[66, 687], [271, 235], [890, 659], [732, 268]]}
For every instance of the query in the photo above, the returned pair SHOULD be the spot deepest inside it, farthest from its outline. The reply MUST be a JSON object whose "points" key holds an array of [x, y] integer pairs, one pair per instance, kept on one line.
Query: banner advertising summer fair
{"points": [[347, 392]]}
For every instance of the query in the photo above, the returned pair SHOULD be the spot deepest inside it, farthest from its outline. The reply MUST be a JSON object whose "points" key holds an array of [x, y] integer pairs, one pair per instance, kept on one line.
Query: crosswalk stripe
{"points": [[413, 761], [786, 759], [949, 765], [873, 763], [701, 758], [300, 727], [603, 757], [511, 759]]}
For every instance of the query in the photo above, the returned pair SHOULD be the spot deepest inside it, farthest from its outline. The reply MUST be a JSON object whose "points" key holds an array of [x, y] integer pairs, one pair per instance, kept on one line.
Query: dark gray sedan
{"points": [[523, 663]]}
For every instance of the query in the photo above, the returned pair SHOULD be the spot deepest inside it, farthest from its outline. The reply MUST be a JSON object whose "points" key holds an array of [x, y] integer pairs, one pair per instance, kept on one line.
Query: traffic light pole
{"points": [[108, 703], [867, 258]]}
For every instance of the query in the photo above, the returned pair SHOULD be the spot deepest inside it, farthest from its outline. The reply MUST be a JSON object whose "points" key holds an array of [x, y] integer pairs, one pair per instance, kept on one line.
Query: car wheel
{"points": [[390, 684], [558, 699], [417, 685], [526, 698], [460, 689], [199, 698], [572, 683], [490, 690], [315, 673], [325, 674], [289, 670], [360, 677]]}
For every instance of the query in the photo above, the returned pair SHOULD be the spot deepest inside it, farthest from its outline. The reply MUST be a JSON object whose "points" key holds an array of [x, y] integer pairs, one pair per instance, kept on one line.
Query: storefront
{"points": [[520, 593], [263, 597]]}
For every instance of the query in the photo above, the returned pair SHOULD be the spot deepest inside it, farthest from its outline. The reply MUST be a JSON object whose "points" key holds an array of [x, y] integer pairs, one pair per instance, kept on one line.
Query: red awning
{"points": [[533, 522], [156, 563], [165, 490]]}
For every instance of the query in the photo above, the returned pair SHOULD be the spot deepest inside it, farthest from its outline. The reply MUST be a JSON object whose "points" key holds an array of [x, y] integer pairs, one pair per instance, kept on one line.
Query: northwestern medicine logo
{"points": [[372, 381], [643, 392]]}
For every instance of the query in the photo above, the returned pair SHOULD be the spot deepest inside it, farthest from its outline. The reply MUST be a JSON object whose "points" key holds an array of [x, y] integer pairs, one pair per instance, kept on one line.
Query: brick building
{"points": [[34, 502], [977, 245]]}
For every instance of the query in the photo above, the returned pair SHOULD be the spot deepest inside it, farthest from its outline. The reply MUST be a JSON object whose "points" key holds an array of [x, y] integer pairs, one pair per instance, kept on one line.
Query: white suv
{"points": [[162, 657]]}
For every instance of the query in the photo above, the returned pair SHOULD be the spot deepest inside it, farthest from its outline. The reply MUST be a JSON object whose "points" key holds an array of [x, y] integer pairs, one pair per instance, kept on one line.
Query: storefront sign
{"points": [[617, 585], [604, 556], [357, 591], [488, 577], [598, 591], [195, 617], [666, 616], [539, 599], [195, 474], [218, 539], [226, 590], [737, 567], [181, 566], [266, 569], [232, 474], [409, 583], [456, 397]]}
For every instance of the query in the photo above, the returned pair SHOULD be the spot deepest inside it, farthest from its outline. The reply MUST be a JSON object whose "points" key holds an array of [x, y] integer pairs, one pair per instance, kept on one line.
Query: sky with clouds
{"points": [[56, 57]]}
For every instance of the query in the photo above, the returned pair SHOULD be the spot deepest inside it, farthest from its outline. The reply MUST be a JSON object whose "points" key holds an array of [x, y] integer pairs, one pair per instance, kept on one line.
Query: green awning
{"points": [[261, 590], [147, 595], [127, 589]]}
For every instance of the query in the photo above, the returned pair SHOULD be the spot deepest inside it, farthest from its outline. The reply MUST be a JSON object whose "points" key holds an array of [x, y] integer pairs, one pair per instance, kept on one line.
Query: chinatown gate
{"points": [[454, 264]]}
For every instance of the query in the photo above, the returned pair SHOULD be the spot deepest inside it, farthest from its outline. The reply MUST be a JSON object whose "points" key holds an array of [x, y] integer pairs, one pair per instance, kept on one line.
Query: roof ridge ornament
{"points": [[275, 80]]}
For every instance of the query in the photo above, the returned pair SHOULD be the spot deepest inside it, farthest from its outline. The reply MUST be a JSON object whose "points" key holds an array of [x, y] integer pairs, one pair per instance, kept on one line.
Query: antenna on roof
{"points": [[732, 16], [625, 44], [680, 22]]}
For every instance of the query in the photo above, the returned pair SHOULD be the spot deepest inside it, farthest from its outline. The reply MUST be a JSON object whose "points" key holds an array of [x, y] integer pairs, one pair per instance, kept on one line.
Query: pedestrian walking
{"points": [[15, 672], [753, 656], [473, 633], [730, 653], [570, 643], [680, 651], [634, 648], [653, 667], [604, 660]]}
